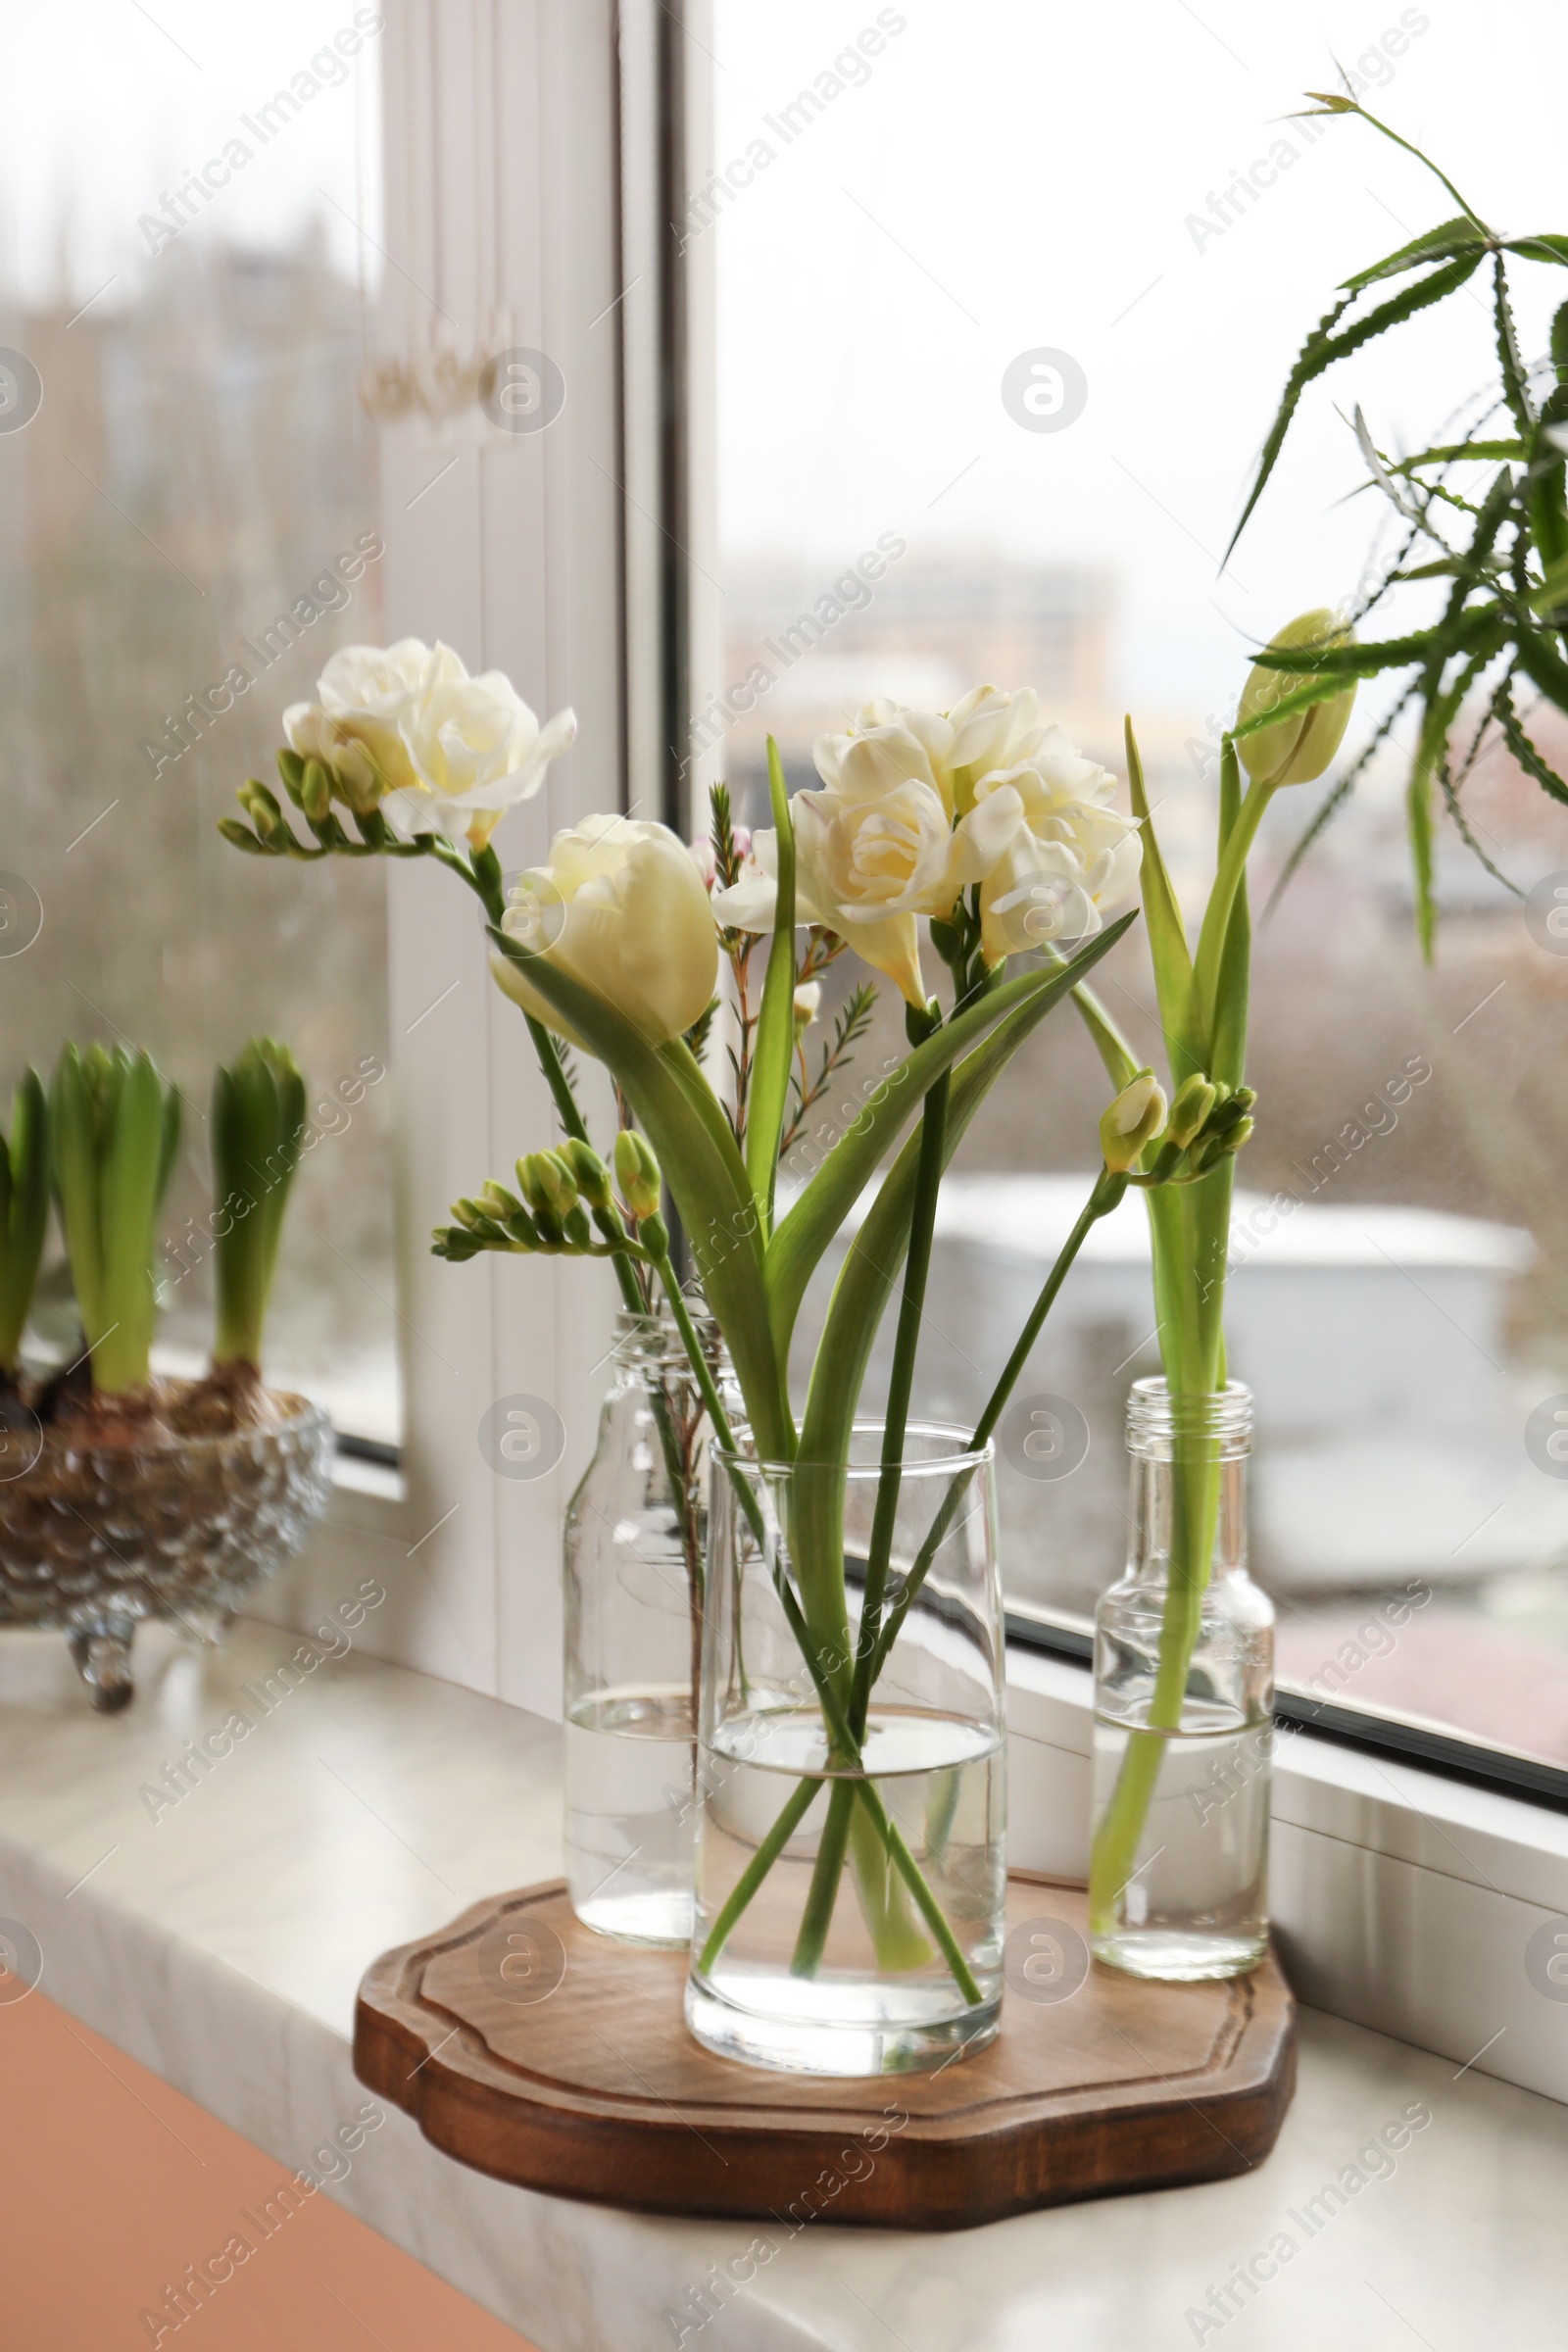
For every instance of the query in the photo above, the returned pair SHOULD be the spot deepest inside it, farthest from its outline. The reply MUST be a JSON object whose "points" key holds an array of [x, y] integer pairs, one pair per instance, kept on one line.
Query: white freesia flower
{"points": [[475, 748], [951, 750], [750, 901], [1134, 1119], [1058, 853], [621, 907], [408, 730]]}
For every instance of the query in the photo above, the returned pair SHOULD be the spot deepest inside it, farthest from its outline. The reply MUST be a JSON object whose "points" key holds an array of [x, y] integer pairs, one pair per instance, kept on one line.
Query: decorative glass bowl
{"points": [[95, 1538]]}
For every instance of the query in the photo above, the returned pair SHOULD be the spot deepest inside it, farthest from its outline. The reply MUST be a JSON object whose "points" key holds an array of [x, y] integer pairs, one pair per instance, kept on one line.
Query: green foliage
{"points": [[1507, 616], [258, 1120], [775, 1028], [114, 1128], [23, 1211]]}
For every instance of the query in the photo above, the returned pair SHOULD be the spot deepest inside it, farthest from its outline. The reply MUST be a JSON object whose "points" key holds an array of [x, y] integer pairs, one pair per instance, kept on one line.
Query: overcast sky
{"points": [[1010, 177]]}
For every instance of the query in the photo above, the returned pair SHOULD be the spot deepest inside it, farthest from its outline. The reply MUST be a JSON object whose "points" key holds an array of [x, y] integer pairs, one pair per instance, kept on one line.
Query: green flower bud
{"points": [[1133, 1120], [589, 1172], [1195, 1100], [637, 1174], [291, 768], [241, 836], [548, 1185], [497, 1201], [262, 807], [1300, 748], [315, 791]]}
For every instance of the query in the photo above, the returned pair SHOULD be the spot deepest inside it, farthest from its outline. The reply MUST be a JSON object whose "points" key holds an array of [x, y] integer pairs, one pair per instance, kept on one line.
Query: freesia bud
{"points": [[637, 1174], [1195, 1100], [496, 1202], [261, 806], [1299, 749], [548, 1185], [315, 791], [589, 1172], [807, 1005], [1133, 1120]]}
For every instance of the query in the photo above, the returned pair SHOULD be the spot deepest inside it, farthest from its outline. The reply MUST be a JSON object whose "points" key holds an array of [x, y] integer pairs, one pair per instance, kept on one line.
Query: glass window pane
{"points": [[1005, 300], [188, 526]]}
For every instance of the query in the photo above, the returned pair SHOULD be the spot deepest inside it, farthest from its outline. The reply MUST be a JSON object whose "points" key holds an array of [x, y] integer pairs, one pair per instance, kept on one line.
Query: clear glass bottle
{"points": [[1184, 1689], [850, 1911], [635, 1539]]}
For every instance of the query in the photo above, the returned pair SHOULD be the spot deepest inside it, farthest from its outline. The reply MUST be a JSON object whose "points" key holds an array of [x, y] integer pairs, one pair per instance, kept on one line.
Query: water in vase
{"points": [[879, 1995], [1195, 1902], [630, 1814]]}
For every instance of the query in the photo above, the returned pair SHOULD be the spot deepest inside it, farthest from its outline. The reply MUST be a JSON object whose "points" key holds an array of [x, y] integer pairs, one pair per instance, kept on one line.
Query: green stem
{"points": [[818, 1916], [1108, 1192], [1105, 1195], [756, 1870], [1189, 1229], [1221, 899]]}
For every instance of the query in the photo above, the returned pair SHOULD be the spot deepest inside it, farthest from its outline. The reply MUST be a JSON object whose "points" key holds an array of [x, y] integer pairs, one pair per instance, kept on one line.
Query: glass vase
{"points": [[1184, 1687], [852, 1770], [635, 1536]]}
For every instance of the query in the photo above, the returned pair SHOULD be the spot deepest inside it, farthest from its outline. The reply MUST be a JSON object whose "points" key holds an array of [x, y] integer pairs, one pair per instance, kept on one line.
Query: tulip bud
{"points": [[1298, 749], [315, 791], [1195, 1100], [1133, 1120], [589, 1172], [637, 1174], [807, 1005]]}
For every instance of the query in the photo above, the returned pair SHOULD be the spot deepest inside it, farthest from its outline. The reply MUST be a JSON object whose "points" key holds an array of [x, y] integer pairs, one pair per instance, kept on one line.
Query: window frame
{"points": [[592, 513]]}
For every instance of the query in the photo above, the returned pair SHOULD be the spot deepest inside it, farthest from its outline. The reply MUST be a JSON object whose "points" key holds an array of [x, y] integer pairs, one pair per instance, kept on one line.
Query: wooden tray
{"points": [[532, 2049]]}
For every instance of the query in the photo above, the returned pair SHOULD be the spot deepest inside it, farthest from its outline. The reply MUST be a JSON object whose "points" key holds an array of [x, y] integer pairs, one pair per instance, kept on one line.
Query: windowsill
{"points": [[221, 1945]]}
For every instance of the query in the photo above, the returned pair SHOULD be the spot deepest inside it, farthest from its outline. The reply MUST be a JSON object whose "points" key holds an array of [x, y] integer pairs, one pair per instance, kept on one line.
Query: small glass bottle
{"points": [[634, 1544], [1184, 1692]]}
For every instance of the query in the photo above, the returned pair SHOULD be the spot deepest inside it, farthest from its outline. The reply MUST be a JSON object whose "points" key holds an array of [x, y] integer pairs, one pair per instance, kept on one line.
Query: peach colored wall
{"points": [[111, 2183]]}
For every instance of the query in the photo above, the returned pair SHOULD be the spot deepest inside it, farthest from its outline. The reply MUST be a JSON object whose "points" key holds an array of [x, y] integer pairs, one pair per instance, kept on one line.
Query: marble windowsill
{"points": [[221, 1944]]}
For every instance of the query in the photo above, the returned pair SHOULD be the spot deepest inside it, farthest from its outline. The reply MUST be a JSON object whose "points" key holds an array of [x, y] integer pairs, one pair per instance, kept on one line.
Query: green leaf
{"points": [[861, 1294], [1516, 390], [1167, 934], [23, 1211], [709, 1184], [1418, 817], [128, 1170], [1452, 452], [1330, 665], [816, 1218], [775, 1027], [73, 1151], [1548, 248], [1228, 1045], [1523, 747], [1323, 348], [1448, 238]]}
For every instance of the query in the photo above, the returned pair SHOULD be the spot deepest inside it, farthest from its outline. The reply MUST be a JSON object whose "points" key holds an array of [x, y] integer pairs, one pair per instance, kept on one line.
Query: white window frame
{"points": [[1405, 1897]]}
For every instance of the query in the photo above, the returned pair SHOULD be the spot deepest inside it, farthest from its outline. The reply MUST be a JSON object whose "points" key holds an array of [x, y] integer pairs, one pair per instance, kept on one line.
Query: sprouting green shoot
{"points": [[258, 1121], [23, 1211], [114, 1128]]}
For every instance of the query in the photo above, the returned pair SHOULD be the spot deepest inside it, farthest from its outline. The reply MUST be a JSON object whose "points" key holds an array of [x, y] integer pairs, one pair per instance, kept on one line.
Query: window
{"points": [[1009, 318], [189, 524]]}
